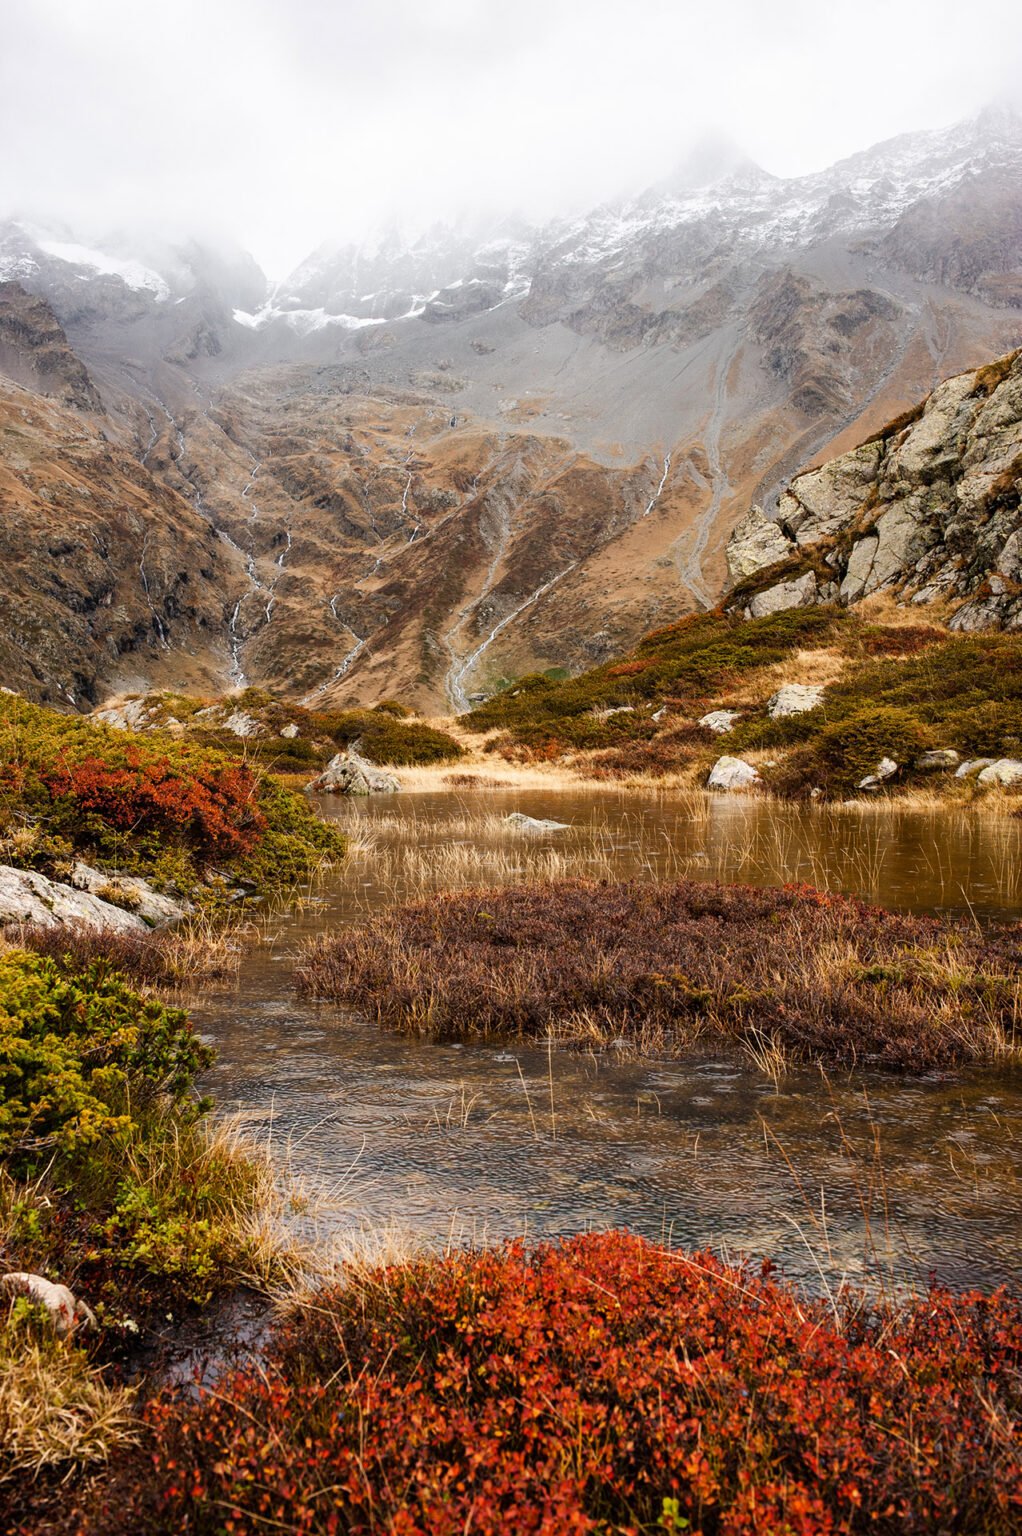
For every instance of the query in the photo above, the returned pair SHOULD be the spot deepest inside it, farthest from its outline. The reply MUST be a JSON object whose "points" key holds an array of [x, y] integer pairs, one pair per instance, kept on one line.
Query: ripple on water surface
{"points": [[830, 1177]]}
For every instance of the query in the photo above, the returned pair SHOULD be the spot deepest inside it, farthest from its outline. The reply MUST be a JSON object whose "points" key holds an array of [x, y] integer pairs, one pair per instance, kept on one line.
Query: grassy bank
{"points": [[892, 687], [113, 1183], [190, 818], [779, 974], [602, 1385]]}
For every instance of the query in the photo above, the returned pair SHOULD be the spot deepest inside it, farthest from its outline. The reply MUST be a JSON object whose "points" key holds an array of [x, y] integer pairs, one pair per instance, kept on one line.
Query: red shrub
{"points": [[600, 1385], [212, 806]]}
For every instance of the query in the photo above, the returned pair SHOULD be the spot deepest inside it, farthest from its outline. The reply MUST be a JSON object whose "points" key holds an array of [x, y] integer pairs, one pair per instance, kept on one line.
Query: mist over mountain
{"points": [[461, 448]]}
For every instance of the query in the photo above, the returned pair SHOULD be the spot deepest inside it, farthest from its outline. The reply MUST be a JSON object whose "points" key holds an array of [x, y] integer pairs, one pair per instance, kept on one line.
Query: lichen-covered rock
{"points": [[525, 823], [720, 721], [755, 544], [130, 892], [972, 766], [939, 757], [28, 897], [794, 699], [799, 593], [885, 769], [1006, 771], [730, 773], [350, 774], [931, 509]]}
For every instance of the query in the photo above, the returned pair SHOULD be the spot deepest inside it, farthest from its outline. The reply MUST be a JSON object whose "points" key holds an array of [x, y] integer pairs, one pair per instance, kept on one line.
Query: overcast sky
{"points": [[284, 122]]}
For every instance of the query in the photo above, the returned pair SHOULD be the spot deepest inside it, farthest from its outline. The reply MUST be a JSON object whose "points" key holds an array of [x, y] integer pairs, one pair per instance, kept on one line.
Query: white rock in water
{"points": [[1005, 771], [732, 773], [972, 765], [794, 699], [534, 823], [65, 1311], [27, 897], [350, 774], [720, 720], [886, 768], [939, 757]]}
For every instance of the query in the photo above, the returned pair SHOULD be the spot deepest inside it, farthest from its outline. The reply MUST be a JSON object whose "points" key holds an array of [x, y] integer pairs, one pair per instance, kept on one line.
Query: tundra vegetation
{"points": [[601, 1384], [795, 973], [893, 689], [114, 1182], [190, 818]]}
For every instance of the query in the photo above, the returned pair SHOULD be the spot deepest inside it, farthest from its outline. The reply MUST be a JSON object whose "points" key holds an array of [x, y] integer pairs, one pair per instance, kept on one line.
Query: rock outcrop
{"points": [[929, 509], [350, 774], [28, 897]]}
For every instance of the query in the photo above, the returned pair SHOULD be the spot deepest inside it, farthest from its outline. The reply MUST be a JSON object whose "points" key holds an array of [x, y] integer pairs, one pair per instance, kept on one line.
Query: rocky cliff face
{"points": [[107, 574], [34, 350], [929, 509]]}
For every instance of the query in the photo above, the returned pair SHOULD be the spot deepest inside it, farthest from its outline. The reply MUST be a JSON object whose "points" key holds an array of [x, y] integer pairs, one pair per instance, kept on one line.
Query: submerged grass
{"points": [[791, 974]]}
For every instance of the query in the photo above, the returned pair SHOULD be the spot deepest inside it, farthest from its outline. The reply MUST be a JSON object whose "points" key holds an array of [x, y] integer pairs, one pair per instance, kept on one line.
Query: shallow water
{"points": [[877, 1175]]}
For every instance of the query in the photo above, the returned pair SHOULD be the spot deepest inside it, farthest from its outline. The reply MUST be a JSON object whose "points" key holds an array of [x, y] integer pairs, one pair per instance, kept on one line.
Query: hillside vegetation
{"points": [[892, 689], [158, 805]]}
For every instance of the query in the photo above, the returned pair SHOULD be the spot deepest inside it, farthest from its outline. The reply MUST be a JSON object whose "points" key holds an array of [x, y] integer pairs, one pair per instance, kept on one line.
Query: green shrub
{"points": [[81, 1054], [384, 739]]}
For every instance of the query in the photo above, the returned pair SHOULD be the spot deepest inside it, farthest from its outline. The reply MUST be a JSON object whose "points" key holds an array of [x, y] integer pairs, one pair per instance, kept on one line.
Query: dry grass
{"points": [[198, 949], [779, 974], [56, 1411]]}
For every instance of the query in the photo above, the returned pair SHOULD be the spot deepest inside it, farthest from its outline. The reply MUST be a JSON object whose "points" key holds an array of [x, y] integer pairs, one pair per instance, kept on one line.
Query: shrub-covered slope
{"points": [[157, 805], [890, 687]]}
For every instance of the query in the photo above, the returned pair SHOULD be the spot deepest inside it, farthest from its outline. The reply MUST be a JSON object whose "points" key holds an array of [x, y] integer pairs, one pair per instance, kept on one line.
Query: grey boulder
{"points": [[730, 773], [350, 774]]}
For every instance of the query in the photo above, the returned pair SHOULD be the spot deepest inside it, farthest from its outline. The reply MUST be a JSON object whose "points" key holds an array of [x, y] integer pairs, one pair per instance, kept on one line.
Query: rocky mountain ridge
{"points": [[428, 466]]}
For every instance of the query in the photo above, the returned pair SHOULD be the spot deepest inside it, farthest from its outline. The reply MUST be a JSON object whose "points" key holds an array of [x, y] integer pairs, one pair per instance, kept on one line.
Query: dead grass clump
{"points": [[56, 1411], [791, 973], [196, 950]]}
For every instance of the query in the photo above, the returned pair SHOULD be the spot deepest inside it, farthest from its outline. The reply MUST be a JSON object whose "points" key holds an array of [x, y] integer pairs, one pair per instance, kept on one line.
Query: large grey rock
{"points": [[730, 773], [823, 501], [794, 699], [524, 823], [858, 578], [971, 766], [153, 907], [28, 897], [800, 593], [939, 757], [885, 769], [720, 721], [755, 544], [350, 774], [1005, 771]]}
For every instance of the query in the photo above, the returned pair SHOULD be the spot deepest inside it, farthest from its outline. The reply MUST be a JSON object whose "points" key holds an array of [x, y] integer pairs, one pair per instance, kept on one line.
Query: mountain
{"points": [[434, 463]]}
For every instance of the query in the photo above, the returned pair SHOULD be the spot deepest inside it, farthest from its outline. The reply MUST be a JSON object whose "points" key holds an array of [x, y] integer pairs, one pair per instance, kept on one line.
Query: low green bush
{"points": [[82, 1054]]}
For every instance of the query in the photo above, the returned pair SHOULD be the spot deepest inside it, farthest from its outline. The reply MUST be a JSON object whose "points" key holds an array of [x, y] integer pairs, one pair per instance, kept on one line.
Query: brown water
{"points": [[873, 1175]]}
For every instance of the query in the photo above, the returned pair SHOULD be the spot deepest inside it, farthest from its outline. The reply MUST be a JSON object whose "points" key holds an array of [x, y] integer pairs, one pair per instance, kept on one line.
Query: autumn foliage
{"points": [[598, 1385], [213, 806]]}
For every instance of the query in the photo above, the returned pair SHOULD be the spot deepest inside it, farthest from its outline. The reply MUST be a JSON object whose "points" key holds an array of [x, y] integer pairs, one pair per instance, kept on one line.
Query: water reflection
{"points": [[832, 1177]]}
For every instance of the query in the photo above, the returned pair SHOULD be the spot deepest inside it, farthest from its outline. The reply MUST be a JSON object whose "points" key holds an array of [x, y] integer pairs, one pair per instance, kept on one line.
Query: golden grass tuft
{"points": [[56, 1411]]}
